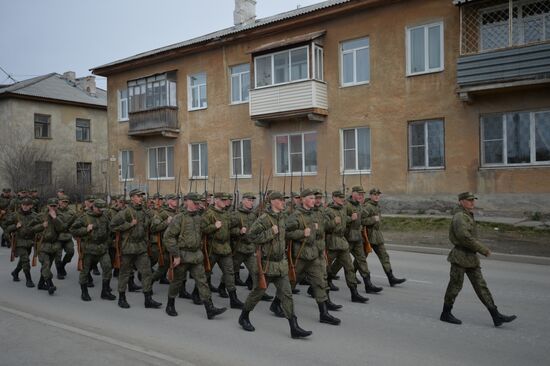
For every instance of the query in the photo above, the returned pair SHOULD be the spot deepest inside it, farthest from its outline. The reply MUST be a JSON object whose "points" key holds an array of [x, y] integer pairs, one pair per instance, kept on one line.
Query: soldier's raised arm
{"points": [[261, 231], [78, 228], [170, 237], [119, 222]]}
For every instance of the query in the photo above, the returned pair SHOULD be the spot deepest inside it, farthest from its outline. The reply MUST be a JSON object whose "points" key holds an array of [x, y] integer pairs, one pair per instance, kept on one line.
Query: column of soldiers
{"points": [[304, 242]]}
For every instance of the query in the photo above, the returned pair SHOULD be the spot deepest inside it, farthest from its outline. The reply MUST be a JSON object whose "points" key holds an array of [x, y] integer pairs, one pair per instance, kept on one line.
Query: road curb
{"points": [[545, 261]]}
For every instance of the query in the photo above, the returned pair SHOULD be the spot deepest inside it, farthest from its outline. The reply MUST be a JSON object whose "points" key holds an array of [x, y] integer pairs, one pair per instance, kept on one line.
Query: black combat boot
{"points": [[447, 316], [170, 307], [222, 291], [15, 274], [106, 291], [234, 301], [295, 330], [210, 286], [244, 321], [132, 287], [324, 315], [295, 291], [163, 280], [238, 281], [310, 291], [355, 297], [183, 292], [393, 280], [51, 286], [90, 280], [42, 284], [196, 297], [115, 272], [149, 302], [499, 318], [28, 278], [122, 300], [266, 297], [63, 264], [60, 270], [332, 306], [85, 296], [369, 287], [276, 308], [332, 286], [249, 283], [211, 310]]}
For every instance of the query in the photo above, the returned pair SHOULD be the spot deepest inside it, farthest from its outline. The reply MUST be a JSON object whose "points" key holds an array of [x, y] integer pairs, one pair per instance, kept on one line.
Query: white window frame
{"points": [[190, 154], [271, 56], [198, 87], [318, 69], [122, 105], [231, 170], [427, 69], [166, 147], [354, 52], [121, 172], [241, 75], [342, 152], [302, 134], [532, 142], [425, 123]]}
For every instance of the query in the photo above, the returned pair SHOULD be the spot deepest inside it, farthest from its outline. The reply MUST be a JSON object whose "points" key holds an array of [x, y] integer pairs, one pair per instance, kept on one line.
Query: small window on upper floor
{"points": [[355, 62], [196, 91], [240, 83], [425, 49]]}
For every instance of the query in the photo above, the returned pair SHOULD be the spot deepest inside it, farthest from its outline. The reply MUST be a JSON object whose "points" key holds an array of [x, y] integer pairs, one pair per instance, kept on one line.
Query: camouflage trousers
{"points": [[23, 253], [142, 263], [46, 260], [68, 247], [383, 256], [343, 258], [315, 272], [90, 259], [249, 261], [180, 276], [226, 265], [359, 260], [161, 271], [478, 283], [284, 293]]}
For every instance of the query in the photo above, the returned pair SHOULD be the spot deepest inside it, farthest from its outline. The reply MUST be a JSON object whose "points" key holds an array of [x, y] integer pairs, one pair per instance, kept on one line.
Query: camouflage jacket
{"points": [[272, 245], [4, 207], [463, 235], [183, 237], [95, 242], [50, 235], [353, 229], [320, 214], [304, 247], [68, 216], [242, 218], [218, 239], [336, 232], [371, 209], [133, 239], [159, 224], [31, 224]]}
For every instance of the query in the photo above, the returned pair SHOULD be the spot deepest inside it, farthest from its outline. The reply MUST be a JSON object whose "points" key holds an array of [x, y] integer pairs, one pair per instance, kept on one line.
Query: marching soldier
{"points": [[24, 224], [119, 204], [159, 223], [337, 245], [133, 223], [268, 231], [463, 258], [93, 229], [183, 240], [36, 204], [5, 199], [68, 216], [372, 220]]}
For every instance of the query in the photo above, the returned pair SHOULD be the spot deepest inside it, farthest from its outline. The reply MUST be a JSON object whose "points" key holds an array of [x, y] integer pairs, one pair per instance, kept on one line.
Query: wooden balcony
{"points": [[161, 121], [303, 99]]}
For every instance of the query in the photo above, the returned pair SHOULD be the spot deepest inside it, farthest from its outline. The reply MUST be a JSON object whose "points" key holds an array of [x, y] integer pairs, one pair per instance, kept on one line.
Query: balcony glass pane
{"points": [[542, 136], [298, 67], [281, 64], [263, 71]]}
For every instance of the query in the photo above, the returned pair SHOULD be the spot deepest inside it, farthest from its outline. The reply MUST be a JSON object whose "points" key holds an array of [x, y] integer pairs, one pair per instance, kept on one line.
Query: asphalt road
{"points": [[400, 326]]}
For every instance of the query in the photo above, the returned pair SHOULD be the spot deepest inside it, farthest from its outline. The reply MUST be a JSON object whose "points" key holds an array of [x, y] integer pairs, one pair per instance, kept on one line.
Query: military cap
{"points": [[338, 194], [218, 195], [317, 191], [64, 198], [99, 203], [6, 190], [136, 191], [295, 194], [249, 195], [307, 192], [358, 189], [27, 201], [23, 190], [90, 197], [171, 196], [375, 191], [33, 190], [466, 196], [53, 202], [60, 190], [227, 196], [276, 195], [195, 197], [158, 195]]}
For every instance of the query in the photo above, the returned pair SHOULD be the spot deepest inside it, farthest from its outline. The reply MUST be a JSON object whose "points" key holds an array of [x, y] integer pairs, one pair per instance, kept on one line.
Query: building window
{"points": [[282, 67], [426, 145], [425, 49], [198, 154], [151, 92], [83, 129], [83, 173], [42, 173], [197, 91], [126, 167], [296, 153], [241, 158], [517, 138], [355, 61], [318, 63], [161, 162], [240, 83], [42, 126], [123, 105], [356, 149]]}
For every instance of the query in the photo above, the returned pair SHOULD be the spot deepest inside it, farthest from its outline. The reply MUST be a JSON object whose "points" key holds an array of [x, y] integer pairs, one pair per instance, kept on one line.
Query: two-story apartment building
{"points": [[54, 134], [420, 98]]}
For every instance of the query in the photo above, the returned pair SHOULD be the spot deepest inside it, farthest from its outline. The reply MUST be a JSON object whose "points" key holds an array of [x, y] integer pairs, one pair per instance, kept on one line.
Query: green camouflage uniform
{"points": [[24, 236], [49, 243], [68, 216], [463, 258], [159, 223], [376, 239], [4, 213], [244, 249]]}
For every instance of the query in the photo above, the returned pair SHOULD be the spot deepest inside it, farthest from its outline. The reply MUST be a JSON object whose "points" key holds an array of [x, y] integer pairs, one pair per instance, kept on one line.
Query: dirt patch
{"points": [[500, 238]]}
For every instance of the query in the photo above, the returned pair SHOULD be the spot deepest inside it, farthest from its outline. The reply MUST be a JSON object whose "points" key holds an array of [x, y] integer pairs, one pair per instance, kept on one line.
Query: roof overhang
{"points": [[51, 100], [288, 42]]}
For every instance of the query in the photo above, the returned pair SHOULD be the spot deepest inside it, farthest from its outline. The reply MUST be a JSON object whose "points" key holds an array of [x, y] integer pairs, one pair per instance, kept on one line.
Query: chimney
{"points": [[245, 12], [87, 84], [69, 75]]}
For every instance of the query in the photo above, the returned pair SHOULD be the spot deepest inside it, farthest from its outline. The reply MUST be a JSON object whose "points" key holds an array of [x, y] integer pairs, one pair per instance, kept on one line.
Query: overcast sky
{"points": [[42, 36]]}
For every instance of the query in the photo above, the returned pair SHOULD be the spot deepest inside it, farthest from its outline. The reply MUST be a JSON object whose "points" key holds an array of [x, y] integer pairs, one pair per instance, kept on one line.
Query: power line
{"points": [[9, 76]]}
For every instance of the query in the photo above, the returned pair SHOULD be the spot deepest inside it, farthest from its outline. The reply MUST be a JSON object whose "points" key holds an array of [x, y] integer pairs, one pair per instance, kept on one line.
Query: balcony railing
{"points": [[154, 122]]}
